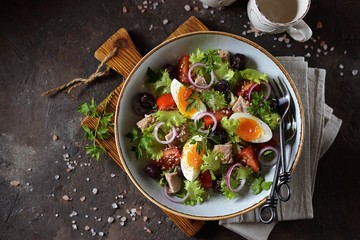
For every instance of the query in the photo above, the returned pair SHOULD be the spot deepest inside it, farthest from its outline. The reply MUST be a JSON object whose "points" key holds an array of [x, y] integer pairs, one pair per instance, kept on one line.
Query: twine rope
{"points": [[81, 81]]}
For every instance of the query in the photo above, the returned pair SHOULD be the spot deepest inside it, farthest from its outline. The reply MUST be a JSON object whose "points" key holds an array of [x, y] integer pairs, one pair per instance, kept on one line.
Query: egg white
{"points": [[266, 134], [174, 89], [188, 171]]}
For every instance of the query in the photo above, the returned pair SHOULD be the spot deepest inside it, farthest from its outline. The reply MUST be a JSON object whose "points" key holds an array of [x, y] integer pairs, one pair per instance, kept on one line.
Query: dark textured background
{"points": [[44, 44]]}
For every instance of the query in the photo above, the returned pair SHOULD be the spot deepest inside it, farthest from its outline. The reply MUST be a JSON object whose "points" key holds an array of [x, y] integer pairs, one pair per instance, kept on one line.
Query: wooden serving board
{"points": [[123, 62]]}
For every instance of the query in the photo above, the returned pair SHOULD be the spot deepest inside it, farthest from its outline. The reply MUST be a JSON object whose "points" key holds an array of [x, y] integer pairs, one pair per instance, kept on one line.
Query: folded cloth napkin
{"points": [[324, 126]]}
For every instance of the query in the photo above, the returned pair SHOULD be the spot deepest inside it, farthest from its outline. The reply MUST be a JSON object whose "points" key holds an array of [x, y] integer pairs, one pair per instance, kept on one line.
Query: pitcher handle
{"points": [[300, 31]]}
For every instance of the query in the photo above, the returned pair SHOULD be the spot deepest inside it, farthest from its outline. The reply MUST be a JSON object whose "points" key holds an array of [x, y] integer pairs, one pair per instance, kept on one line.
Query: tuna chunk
{"points": [[241, 105], [225, 55], [145, 122], [227, 150], [174, 182]]}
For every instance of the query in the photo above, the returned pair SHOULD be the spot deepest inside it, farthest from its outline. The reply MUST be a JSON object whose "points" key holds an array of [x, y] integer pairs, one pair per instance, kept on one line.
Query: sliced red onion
{"points": [[156, 129], [200, 115], [262, 159], [174, 198], [266, 93], [195, 65], [228, 176]]}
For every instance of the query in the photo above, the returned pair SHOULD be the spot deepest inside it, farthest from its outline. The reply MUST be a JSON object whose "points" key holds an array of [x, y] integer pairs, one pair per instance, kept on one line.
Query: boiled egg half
{"points": [[191, 159], [181, 94], [251, 128]]}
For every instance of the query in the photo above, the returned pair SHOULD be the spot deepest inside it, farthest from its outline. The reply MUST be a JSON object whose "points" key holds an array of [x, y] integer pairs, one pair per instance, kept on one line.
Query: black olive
{"points": [[238, 61], [179, 171], [153, 170], [222, 86], [144, 103], [171, 70], [218, 136], [217, 185]]}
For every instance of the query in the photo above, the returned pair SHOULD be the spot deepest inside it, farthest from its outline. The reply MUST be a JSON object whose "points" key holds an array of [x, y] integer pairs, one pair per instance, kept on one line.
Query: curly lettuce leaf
{"points": [[223, 71], [197, 194], [253, 75], [196, 56], [211, 162], [214, 99], [230, 126], [148, 146], [226, 191], [170, 118], [158, 84]]}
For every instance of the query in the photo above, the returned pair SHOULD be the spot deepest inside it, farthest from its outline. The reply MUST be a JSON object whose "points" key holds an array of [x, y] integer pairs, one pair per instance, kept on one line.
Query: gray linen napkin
{"points": [[324, 126]]}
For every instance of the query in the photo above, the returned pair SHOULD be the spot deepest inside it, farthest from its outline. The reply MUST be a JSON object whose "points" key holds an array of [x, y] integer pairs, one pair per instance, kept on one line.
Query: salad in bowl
{"points": [[207, 126], [196, 127]]}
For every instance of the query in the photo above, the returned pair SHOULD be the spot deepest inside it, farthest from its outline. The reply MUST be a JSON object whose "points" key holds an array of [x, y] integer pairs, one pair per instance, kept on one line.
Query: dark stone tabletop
{"points": [[47, 182]]}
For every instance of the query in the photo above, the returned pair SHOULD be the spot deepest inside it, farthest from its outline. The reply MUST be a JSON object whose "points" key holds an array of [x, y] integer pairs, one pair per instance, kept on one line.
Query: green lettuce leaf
{"points": [[253, 75], [171, 118], [197, 194], [211, 162], [213, 99]]}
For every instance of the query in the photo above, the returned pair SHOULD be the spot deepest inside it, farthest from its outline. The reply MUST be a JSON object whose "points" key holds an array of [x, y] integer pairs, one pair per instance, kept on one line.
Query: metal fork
{"points": [[267, 212], [283, 104]]}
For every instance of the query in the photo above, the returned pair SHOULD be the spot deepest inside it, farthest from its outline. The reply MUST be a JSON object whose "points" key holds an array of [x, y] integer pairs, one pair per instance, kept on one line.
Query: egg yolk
{"points": [[183, 95], [248, 129], [193, 157]]}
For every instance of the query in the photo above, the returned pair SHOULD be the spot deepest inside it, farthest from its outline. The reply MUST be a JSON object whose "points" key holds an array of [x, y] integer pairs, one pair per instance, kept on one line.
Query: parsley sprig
{"points": [[101, 130], [193, 102]]}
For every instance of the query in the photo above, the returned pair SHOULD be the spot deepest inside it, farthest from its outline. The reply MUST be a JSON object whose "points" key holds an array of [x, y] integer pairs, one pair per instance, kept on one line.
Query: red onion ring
{"points": [[198, 64], [174, 199], [156, 129], [228, 176], [200, 115], [266, 93], [273, 161]]}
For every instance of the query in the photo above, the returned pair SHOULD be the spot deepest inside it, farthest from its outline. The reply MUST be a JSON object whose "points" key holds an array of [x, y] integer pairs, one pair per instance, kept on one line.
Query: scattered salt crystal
{"points": [[95, 191], [87, 228], [354, 72], [187, 8], [145, 218], [15, 183], [73, 221], [74, 189], [341, 74], [165, 21], [341, 66], [82, 198], [86, 216], [112, 175], [57, 177], [56, 215], [222, 21], [73, 214], [55, 137], [243, 33], [345, 52], [159, 222], [110, 219], [27, 184], [122, 223], [151, 27], [74, 226], [87, 179], [306, 46], [308, 55], [66, 198], [99, 219], [118, 216], [332, 49], [114, 205], [29, 169], [123, 219], [66, 156], [94, 208], [101, 234], [133, 210], [319, 25]]}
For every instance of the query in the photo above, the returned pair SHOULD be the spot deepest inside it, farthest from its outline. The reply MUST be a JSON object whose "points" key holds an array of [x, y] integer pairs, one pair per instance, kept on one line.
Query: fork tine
{"points": [[274, 88]]}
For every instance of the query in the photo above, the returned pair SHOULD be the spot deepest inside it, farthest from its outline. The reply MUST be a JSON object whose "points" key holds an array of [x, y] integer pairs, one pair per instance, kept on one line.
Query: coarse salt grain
{"points": [[112, 175], [74, 226], [15, 183], [341, 66], [66, 198], [95, 191], [87, 228], [114, 205], [73, 214], [110, 219], [82, 199], [187, 8], [354, 72], [165, 21]]}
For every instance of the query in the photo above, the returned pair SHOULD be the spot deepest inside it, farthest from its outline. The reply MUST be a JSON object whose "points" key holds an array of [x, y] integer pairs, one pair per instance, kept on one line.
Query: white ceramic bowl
{"points": [[218, 207]]}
